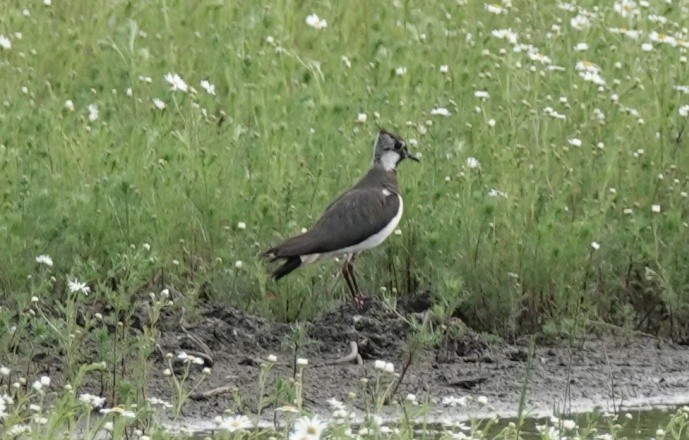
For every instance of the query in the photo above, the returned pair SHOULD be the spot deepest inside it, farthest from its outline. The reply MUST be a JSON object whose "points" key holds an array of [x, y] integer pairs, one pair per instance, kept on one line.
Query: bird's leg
{"points": [[352, 275], [359, 298], [346, 274]]}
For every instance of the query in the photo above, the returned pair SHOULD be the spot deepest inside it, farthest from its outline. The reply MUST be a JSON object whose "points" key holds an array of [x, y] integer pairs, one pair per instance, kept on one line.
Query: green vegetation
{"points": [[563, 157], [551, 196]]}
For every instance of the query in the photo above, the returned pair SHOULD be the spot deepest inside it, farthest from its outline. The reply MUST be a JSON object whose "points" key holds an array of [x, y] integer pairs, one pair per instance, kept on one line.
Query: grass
{"points": [[554, 205], [280, 137]]}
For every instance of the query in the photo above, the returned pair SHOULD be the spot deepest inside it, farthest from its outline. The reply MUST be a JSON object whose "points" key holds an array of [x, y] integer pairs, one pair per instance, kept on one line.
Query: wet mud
{"points": [[610, 372]]}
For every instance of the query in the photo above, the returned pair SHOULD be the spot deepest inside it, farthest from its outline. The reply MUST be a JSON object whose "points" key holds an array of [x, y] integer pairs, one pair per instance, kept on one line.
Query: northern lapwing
{"points": [[359, 219]]}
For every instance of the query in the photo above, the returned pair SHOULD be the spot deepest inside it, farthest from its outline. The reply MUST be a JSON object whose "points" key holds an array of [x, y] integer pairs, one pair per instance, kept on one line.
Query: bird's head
{"points": [[389, 150]]}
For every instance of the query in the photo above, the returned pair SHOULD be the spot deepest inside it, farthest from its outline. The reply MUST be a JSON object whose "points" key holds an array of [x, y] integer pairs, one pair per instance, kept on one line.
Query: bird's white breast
{"points": [[377, 238], [371, 242], [380, 236]]}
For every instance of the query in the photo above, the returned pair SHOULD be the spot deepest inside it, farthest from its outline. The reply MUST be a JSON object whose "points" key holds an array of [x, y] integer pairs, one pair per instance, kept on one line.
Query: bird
{"points": [[359, 219]]}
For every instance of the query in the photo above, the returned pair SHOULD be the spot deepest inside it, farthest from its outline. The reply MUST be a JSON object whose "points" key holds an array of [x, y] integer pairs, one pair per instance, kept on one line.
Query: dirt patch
{"points": [[607, 372]]}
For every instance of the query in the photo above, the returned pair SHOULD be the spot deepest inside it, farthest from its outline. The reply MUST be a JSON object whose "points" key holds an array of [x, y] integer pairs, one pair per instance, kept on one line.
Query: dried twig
{"points": [[202, 346], [226, 389], [353, 356]]}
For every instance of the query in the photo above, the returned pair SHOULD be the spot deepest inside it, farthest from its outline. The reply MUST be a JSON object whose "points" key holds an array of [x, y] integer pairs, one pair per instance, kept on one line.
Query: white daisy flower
{"points": [[308, 428], [505, 34], [91, 400], [234, 423], [93, 112], [208, 87], [316, 22], [495, 9], [176, 82], [473, 163], [626, 8], [440, 111], [45, 259], [580, 22], [77, 286], [497, 193], [683, 89], [335, 404], [159, 104], [482, 94], [5, 42]]}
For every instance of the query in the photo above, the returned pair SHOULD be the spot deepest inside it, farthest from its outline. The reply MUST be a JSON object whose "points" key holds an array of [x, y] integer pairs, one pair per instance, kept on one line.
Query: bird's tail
{"points": [[290, 264]]}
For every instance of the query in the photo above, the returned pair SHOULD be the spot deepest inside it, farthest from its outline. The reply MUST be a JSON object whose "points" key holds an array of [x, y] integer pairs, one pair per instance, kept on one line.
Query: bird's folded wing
{"points": [[351, 219]]}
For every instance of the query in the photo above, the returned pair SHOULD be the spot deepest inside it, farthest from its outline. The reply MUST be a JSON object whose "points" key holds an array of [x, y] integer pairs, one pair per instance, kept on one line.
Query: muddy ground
{"points": [[609, 371]]}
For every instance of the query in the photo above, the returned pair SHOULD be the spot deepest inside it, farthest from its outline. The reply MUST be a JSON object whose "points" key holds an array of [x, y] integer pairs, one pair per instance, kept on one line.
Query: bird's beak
{"points": [[408, 155]]}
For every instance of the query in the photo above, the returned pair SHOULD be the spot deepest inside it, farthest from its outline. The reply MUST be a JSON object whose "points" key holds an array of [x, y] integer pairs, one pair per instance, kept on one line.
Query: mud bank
{"points": [[611, 372]]}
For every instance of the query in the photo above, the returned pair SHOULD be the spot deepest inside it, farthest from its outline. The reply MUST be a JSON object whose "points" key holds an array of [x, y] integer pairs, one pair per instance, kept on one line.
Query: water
{"points": [[635, 424]]}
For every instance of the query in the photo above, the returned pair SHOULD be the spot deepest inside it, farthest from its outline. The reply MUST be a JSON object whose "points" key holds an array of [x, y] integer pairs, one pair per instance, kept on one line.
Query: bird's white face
{"points": [[389, 150], [389, 160]]}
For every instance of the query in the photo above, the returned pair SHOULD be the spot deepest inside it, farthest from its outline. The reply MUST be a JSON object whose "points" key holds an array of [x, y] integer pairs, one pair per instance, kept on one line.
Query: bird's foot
{"points": [[360, 300]]}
